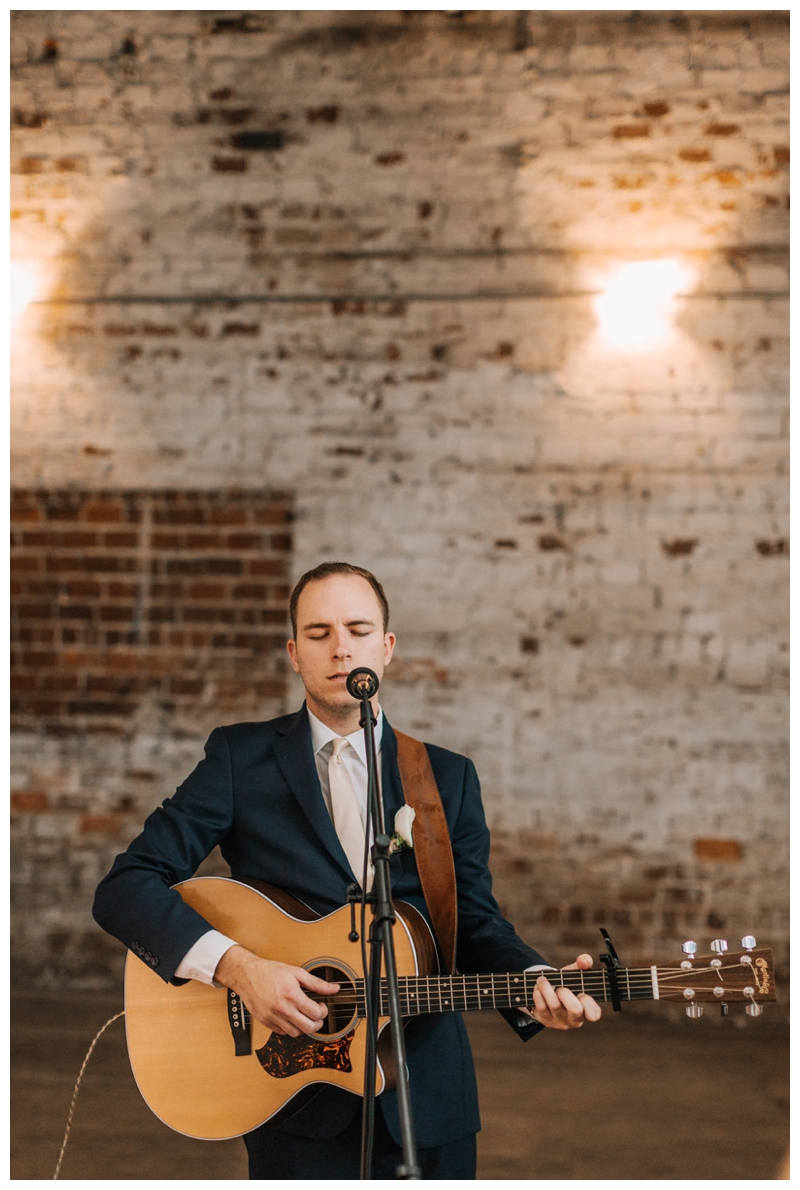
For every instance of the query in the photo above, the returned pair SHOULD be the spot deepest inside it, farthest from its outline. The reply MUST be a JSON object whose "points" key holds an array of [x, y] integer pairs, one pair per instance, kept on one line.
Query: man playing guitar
{"points": [[285, 800]]}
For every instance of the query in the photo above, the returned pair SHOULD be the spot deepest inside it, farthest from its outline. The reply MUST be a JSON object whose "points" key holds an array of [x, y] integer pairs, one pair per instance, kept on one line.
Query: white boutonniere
{"points": [[403, 829]]}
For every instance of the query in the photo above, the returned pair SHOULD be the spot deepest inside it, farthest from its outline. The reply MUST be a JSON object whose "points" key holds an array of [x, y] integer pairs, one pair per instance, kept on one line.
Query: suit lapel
{"points": [[295, 756], [390, 777]]}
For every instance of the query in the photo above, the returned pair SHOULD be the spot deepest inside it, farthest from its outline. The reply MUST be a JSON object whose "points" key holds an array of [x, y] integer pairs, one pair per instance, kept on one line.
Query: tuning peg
{"points": [[689, 948], [723, 1009], [751, 1009], [748, 942], [694, 1011], [719, 946]]}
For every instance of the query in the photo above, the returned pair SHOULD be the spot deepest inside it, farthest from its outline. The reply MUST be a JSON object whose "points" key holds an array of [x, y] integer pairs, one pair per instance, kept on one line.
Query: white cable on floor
{"points": [[110, 1021]]}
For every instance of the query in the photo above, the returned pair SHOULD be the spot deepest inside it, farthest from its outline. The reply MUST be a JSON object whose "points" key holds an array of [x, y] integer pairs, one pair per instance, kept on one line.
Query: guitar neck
{"points": [[743, 976], [472, 993]]}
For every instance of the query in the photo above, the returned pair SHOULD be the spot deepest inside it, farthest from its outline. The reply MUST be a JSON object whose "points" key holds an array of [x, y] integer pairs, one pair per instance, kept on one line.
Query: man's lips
{"points": [[338, 677]]}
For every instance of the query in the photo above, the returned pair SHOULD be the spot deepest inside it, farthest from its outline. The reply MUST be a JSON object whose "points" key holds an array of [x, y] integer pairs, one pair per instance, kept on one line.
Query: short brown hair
{"points": [[323, 571]]}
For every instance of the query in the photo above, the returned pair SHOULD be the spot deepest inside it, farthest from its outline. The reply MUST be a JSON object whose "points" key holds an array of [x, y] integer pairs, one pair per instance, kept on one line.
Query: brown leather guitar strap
{"points": [[432, 847]]}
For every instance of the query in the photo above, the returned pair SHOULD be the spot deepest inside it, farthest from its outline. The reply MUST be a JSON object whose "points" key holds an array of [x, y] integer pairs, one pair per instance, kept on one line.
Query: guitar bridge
{"points": [[239, 1021]]}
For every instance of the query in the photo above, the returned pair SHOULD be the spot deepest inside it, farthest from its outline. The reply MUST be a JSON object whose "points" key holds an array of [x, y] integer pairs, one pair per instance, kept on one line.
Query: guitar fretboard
{"points": [[471, 993]]}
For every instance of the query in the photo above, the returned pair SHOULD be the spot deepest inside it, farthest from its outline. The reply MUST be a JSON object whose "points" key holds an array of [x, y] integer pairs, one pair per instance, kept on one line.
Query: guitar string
{"points": [[636, 976], [641, 982], [595, 983]]}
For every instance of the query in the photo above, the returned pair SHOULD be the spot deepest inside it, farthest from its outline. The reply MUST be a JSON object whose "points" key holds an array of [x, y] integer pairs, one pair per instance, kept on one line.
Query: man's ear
{"points": [[389, 641], [291, 648]]}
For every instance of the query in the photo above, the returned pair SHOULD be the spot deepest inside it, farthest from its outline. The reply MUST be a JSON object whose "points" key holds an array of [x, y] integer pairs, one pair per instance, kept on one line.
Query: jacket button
{"points": [[135, 946], [155, 961]]}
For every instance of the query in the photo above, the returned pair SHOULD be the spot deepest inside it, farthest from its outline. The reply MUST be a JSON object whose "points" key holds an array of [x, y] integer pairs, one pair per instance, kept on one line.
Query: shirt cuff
{"points": [[525, 1016], [201, 961]]}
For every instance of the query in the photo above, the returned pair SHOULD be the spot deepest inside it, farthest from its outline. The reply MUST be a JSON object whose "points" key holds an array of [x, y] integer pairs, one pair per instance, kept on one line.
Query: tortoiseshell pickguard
{"points": [[283, 1056]]}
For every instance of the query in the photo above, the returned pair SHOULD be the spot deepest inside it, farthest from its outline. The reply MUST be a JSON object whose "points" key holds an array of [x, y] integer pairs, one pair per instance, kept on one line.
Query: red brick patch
{"points": [[779, 548], [101, 824], [29, 803], [722, 129], [146, 594], [679, 546], [631, 131], [728, 851]]}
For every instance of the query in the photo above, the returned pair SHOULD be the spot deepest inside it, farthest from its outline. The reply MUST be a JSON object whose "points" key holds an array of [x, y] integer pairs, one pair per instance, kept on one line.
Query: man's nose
{"points": [[341, 646]]}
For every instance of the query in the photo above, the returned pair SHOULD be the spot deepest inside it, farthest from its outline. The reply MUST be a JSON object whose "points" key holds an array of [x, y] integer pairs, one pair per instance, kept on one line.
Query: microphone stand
{"points": [[382, 943]]}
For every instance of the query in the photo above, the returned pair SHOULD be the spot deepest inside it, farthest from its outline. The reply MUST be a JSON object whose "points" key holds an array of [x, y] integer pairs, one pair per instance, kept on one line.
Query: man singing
{"points": [[286, 802]]}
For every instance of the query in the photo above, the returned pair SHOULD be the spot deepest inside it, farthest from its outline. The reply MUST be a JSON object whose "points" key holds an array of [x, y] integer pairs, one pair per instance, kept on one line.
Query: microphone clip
{"points": [[366, 708]]}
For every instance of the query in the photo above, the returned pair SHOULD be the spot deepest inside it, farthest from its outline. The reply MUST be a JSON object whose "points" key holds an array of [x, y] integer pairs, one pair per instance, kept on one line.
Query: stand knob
{"points": [[689, 948], [696, 1010], [748, 942], [719, 945], [751, 1009]]}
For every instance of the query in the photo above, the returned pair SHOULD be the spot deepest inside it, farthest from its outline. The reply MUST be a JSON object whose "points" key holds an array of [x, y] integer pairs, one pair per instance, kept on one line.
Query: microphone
{"points": [[362, 683]]}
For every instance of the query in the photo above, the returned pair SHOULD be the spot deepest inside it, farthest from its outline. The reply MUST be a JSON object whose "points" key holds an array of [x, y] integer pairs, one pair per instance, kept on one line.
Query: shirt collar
{"points": [[321, 735]]}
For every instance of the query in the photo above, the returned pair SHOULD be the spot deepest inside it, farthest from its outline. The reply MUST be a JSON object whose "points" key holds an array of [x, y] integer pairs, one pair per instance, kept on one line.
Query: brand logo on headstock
{"points": [[761, 972]]}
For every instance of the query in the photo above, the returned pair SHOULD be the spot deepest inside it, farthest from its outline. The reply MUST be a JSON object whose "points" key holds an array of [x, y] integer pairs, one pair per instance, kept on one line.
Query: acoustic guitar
{"points": [[210, 1071]]}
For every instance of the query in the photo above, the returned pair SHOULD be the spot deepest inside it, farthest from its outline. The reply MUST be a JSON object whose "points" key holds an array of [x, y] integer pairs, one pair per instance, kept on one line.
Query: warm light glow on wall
{"points": [[636, 310], [24, 283]]}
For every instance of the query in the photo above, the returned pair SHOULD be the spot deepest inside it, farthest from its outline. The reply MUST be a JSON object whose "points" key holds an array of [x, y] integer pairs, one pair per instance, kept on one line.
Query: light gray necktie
{"points": [[344, 804]]}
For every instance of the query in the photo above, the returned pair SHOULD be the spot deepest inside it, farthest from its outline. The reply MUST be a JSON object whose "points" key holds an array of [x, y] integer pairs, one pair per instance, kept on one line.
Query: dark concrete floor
{"points": [[637, 1096]]}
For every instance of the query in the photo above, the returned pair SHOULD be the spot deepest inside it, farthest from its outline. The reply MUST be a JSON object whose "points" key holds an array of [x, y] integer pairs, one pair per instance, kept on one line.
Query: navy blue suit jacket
{"points": [[257, 795]]}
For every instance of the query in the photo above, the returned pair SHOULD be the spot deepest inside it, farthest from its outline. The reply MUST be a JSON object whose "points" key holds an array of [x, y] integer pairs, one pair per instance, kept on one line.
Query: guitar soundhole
{"points": [[342, 1006]]}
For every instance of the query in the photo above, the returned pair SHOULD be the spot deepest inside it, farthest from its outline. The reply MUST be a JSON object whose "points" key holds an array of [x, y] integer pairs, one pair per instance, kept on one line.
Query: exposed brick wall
{"points": [[350, 256], [173, 597]]}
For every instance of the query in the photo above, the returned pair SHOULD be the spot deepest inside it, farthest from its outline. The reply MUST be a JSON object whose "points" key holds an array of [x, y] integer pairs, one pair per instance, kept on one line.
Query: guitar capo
{"points": [[611, 962]]}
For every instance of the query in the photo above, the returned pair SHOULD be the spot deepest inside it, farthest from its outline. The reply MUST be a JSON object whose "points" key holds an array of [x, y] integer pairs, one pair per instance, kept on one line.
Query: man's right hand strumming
{"points": [[274, 992]]}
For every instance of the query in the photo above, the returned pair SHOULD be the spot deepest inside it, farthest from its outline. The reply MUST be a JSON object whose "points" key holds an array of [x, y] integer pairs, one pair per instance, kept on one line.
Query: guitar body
{"points": [[180, 1041]]}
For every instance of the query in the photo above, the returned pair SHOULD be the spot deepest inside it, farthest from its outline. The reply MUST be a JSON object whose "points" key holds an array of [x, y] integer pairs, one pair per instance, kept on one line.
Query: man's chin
{"points": [[338, 704]]}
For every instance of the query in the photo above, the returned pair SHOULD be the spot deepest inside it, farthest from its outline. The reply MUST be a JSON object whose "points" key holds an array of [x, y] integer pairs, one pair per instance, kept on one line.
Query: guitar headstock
{"points": [[725, 977]]}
